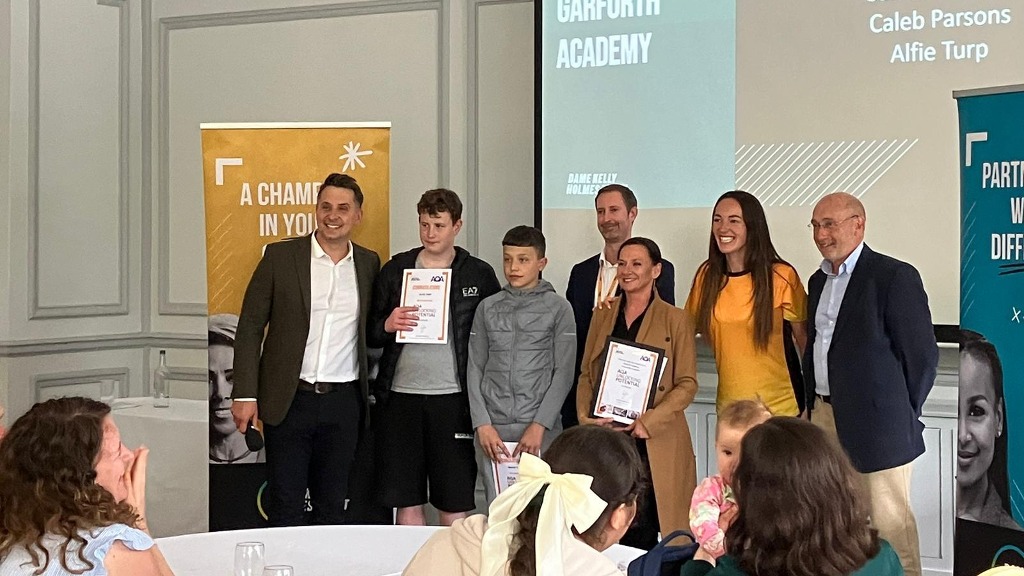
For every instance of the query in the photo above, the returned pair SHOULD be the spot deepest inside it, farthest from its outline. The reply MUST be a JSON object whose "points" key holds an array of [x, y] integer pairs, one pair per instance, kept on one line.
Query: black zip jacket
{"points": [[472, 281]]}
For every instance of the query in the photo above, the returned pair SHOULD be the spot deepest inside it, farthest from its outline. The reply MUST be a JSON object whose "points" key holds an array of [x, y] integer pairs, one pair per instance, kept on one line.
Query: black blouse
{"points": [[629, 332]]}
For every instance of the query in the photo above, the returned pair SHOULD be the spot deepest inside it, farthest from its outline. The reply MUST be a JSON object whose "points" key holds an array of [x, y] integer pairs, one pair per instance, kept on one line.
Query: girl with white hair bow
{"points": [[555, 521]]}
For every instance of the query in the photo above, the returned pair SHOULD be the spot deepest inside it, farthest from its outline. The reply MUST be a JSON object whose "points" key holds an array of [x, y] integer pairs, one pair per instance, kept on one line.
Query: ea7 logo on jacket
{"points": [[470, 291]]}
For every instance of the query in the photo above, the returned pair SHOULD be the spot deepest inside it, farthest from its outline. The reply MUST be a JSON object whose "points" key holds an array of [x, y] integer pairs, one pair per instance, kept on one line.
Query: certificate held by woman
{"points": [[631, 372]]}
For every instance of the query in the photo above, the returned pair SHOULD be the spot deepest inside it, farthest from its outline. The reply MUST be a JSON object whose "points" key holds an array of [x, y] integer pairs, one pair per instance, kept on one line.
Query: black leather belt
{"points": [[825, 399], [323, 387]]}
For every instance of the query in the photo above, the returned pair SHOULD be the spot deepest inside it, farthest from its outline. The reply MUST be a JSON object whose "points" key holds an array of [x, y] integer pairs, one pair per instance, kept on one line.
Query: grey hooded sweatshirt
{"points": [[522, 351]]}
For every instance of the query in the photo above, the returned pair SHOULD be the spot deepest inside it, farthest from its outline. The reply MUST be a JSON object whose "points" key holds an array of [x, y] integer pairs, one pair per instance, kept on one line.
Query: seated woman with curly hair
{"points": [[72, 496], [798, 511]]}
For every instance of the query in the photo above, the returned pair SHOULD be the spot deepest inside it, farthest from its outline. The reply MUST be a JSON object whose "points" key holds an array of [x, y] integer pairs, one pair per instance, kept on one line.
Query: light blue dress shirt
{"points": [[827, 313], [98, 542]]}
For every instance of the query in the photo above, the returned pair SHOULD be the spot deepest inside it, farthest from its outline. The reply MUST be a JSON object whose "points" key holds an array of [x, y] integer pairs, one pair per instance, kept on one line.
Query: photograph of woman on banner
{"points": [[227, 444], [982, 479]]}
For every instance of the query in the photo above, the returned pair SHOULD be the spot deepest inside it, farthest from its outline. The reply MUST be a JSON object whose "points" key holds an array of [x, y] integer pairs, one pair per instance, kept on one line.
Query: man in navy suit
{"points": [[870, 363], [594, 280]]}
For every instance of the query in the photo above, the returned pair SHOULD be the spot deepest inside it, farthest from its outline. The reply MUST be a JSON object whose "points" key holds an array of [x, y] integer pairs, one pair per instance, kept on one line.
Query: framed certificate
{"points": [[626, 388], [506, 472], [427, 288]]}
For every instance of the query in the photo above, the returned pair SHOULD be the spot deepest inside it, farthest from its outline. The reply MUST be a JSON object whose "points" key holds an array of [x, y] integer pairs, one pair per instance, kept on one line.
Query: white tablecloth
{"points": [[314, 550], [177, 481]]}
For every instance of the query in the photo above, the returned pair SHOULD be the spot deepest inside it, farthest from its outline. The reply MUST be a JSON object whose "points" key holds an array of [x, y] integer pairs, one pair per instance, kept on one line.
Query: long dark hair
{"points": [[610, 458], [800, 508], [976, 345], [48, 480], [760, 261]]}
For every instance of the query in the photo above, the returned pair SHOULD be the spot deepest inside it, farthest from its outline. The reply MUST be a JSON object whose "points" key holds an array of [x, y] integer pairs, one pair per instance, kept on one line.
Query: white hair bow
{"points": [[568, 503]]}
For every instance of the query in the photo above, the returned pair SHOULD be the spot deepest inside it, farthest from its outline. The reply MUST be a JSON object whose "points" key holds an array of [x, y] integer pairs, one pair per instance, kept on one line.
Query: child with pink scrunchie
{"points": [[713, 497]]}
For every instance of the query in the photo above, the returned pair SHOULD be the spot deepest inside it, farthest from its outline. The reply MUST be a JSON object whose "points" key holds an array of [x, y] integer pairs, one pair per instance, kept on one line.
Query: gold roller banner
{"points": [[260, 182]]}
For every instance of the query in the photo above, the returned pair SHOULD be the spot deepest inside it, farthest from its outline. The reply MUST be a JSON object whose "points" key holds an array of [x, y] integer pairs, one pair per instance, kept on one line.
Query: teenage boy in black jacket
{"points": [[425, 434]]}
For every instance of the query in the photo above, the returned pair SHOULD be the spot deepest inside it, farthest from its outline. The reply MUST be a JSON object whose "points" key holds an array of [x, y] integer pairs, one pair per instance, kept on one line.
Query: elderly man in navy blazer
{"points": [[870, 363], [594, 280]]}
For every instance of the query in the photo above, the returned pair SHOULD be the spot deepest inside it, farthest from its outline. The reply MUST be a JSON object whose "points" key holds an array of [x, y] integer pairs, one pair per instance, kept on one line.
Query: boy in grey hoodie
{"points": [[522, 350]]}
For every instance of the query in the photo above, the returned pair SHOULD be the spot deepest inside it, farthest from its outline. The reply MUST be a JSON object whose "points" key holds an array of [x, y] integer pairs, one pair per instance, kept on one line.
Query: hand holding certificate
{"points": [[426, 289], [626, 389], [505, 471]]}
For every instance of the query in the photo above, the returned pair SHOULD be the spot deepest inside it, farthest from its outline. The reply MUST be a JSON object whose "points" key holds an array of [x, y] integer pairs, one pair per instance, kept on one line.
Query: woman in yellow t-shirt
{"points": [[742, 299]]}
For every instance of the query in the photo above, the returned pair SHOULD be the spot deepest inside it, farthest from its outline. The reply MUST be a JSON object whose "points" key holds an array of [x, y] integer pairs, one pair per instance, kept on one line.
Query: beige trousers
{"points": [[888, 492]]}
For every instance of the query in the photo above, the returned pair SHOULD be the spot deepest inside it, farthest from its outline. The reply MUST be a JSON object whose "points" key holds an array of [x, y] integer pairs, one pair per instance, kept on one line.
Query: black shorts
{"points": [[426, 439]]}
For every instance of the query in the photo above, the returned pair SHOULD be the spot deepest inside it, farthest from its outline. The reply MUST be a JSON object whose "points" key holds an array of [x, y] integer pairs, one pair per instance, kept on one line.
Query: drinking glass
{"points": [[278, 571], [249, 559]]}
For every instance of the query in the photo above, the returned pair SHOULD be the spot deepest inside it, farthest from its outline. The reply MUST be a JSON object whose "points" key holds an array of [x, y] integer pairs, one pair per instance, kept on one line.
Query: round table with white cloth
{"points": [[316, 550]]}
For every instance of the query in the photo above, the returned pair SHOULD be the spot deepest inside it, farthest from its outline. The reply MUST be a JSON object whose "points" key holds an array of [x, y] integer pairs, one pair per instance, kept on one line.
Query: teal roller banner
{"points": [[990, 438]]}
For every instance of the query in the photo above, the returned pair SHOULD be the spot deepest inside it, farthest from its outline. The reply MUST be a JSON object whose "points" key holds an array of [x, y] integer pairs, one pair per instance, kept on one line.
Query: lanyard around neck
{"points": [[601, 294]]}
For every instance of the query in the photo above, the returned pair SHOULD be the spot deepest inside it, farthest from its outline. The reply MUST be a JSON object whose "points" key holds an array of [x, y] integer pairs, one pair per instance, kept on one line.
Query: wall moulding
{"points": [[38, 310], [166, 26], [130, 341]]}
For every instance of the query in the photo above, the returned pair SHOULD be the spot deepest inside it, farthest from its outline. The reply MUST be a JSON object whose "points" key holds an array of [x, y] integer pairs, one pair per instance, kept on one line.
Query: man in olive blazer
{"points": [[285, 303], [304, 299]]}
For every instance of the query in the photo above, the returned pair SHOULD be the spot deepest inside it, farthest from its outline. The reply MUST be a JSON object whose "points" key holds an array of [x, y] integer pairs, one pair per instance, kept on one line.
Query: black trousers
{"points": [[313, 447], [643, 533], [569, 418], [363, 507]]}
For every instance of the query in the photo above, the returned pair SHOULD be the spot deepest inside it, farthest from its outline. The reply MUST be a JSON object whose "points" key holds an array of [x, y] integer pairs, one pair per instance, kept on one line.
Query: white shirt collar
{"points": [[318, 251], [847, 266], [604, 263]]}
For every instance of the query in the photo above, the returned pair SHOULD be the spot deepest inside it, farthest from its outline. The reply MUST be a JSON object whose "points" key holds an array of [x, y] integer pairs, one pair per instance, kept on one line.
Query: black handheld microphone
{"points": [[253, 438]]}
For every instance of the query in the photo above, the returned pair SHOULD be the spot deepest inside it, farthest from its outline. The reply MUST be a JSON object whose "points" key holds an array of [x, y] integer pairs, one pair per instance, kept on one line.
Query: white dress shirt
{"points": [[331, 346], [607, 280], [828, 311]]}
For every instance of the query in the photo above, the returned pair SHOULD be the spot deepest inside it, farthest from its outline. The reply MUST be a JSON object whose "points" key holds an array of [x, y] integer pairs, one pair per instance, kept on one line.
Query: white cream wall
{"points": [[5, 173], [101, 212], [5, 188], [502, 172]]}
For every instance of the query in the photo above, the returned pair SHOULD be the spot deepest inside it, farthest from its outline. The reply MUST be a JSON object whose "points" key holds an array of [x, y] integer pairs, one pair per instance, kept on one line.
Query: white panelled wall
{"points": [[102, 240], [101, 203]]}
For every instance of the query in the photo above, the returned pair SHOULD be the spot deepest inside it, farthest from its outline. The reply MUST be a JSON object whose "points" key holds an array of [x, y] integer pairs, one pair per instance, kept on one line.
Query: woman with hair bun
{"points": [[661, 433]]}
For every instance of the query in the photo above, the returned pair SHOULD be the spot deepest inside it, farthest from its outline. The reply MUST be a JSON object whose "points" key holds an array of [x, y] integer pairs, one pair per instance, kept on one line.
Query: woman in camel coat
{"points": [[662, 433]]}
